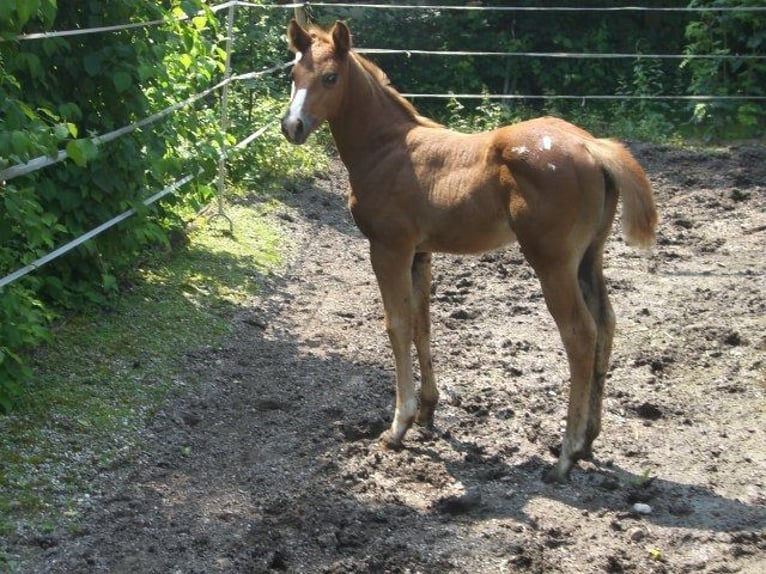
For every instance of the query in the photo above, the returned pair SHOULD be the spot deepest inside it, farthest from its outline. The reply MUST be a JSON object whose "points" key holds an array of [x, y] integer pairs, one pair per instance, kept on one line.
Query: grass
{"points": [[107, 372]]}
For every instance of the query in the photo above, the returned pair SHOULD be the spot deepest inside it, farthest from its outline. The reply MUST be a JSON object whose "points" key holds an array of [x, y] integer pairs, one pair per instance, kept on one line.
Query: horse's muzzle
{"points": [[294, 130]]}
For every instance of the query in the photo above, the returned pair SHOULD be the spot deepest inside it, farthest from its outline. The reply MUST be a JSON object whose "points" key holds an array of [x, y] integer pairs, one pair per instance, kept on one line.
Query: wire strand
{"points": [[56, 253], [581, 55], [542, 8], [45, 160], [693, 98]]}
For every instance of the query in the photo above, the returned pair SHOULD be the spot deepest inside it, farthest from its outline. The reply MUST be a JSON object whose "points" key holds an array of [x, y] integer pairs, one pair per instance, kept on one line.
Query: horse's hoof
{"points": [[425, 420], [554, 476], [389, 441]]}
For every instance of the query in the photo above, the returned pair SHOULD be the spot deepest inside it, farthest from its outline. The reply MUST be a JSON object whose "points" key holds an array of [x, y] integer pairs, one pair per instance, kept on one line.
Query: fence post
{"points": [[224, 125], [301, 15]]}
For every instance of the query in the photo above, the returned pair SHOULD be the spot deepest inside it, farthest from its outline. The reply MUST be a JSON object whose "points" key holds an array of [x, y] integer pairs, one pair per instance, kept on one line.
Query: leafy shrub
{"points": [[727, 34], [62, 91]]}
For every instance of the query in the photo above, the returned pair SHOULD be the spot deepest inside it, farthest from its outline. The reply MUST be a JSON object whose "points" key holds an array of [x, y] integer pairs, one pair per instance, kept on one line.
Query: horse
{"points": [[417, 188]]}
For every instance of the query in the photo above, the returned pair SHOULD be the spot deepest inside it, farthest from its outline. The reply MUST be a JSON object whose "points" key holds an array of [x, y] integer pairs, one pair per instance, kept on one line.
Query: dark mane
{"points": [[382, 79]]}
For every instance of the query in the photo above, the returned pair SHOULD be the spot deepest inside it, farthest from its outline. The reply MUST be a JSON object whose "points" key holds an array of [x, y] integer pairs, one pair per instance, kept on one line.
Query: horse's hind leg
{"points": [[579, 334], [594, 291], [593, 287], [421, 290]]}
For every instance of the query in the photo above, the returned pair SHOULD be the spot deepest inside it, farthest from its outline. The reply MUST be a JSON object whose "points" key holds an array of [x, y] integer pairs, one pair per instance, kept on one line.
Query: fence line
{"points": [[541, 8], [45, 160], [307, 5], [132, 25], [37, 263], [573, 55], [577, 97], [83, 31]]}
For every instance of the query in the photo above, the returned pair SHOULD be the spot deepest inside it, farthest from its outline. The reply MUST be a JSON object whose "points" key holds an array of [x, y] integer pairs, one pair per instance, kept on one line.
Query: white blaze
{"points": [[296, 106]]}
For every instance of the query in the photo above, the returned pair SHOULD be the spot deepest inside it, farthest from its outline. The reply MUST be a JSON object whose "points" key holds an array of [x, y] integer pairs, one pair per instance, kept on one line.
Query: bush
{"points": [[62, 91]]}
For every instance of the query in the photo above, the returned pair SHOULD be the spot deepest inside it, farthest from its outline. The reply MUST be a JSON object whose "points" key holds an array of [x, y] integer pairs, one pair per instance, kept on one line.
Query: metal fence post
{"points": [[302, 15], [224, 125]]}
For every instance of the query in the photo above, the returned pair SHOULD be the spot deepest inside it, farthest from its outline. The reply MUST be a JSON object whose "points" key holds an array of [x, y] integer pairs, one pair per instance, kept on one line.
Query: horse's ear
{"points": [[297, 38], [341, 37]]}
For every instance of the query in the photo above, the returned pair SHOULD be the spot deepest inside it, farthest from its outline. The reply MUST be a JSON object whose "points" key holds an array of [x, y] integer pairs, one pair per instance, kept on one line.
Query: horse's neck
{"points": [[369, 119]]}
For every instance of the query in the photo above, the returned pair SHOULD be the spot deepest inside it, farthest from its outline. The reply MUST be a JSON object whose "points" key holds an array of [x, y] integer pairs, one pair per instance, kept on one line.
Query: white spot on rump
{"points": [[546, 142], [521, 150], [551, 167]]}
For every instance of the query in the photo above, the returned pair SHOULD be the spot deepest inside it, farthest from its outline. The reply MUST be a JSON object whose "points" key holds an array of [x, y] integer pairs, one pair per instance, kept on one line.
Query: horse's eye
{"points": [[329, 79]]}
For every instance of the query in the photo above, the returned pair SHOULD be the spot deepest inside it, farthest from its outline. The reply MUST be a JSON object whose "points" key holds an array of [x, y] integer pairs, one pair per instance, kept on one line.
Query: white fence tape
{"points": [[44, 161], [37, 263]]}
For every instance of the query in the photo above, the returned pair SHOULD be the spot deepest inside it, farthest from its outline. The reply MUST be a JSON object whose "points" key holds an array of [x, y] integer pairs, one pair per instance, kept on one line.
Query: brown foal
{"points": [[417, 188]]}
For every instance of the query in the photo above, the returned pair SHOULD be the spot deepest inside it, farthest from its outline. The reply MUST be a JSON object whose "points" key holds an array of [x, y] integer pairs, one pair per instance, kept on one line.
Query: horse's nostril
{"points": [[298, 127]]}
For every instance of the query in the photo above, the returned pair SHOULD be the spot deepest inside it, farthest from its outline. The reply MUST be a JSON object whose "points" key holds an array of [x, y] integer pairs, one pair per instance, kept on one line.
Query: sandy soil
{"points": [[273, 465]]}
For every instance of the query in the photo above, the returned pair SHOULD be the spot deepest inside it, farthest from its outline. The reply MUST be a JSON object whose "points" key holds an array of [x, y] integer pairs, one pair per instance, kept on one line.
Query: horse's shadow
{"points": [[594, 487]]}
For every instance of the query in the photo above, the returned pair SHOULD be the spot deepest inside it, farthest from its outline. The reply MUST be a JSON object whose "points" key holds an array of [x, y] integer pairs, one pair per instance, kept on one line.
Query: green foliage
{"points": [[644, 32], [23, 320], [58, 93], [727, 34]]}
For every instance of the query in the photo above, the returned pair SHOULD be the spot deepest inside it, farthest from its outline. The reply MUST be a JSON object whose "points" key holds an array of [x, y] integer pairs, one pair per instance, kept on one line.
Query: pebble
{"points": [[637, 534], [641, 508]]}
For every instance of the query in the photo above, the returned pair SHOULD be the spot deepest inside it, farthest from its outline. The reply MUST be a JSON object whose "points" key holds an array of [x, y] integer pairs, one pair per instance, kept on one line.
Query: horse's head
{"points": [[319, 75]]}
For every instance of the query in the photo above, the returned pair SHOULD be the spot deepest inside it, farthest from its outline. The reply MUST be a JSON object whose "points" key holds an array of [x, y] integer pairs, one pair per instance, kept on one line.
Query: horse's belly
{"points": [[466, 238]]}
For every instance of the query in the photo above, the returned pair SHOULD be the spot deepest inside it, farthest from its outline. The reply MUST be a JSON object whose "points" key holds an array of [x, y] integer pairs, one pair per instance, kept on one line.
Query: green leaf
{"points": [[186, 61], [60, 131], [5, 12], [33, 64], [19, 142], [48, 12], [81, 151], [122, 81], [92, 63], [26, 9], [70, 111]]}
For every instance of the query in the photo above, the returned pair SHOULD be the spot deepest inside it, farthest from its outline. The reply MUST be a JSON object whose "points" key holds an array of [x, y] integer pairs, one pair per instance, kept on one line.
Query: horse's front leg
{"points": [[393, 271]]}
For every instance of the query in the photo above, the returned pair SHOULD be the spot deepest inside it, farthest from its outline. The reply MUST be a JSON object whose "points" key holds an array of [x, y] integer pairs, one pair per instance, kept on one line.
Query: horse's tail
{"points": [[639, 214]]}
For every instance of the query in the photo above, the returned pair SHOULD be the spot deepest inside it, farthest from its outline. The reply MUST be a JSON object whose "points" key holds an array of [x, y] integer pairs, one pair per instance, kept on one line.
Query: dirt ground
{"points": [[273, 465]]}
